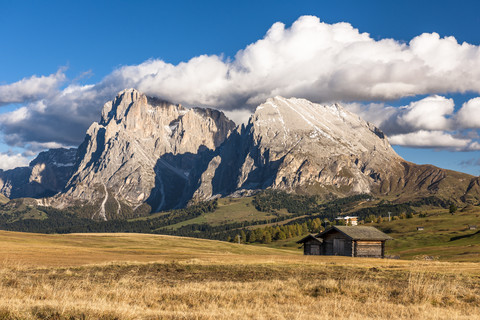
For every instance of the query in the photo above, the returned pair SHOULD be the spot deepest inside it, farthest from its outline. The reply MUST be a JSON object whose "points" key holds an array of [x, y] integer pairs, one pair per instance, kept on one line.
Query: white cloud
{"points": [[16, 116], [428, 123], [376, 113], [239, 116], [10, 161], [434, 139], [469, 115], [310, 59], [431, 113], [31, 89], [314, 60]]}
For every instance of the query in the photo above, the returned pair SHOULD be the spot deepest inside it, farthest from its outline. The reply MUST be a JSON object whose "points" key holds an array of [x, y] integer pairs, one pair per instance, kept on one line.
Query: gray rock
{"points": [[46, 175], [148, 155], [143, 150], [294, 144]]}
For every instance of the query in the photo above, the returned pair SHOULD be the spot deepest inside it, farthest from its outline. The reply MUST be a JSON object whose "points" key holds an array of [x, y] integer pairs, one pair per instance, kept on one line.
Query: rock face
{"points": [[149, 155], [143, 150], [46, 175], [298, 146]]}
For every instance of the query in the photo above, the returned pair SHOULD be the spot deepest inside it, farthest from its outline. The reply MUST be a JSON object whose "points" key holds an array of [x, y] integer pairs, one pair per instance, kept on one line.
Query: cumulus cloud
{"points": [[60, 120], [31, 89], [428, 123], [311, 59], [430, 113], [315, 60], [469, 115], [434, 139], [239, 116], [10, 161]]}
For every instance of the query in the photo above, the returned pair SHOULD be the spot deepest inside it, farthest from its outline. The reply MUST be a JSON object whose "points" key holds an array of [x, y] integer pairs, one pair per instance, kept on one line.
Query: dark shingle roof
{"points": [[359, 233], [309, 237]]}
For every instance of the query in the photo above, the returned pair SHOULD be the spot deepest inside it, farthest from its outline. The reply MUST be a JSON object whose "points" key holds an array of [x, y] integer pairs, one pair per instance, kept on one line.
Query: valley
{"points": [[445, 237]]}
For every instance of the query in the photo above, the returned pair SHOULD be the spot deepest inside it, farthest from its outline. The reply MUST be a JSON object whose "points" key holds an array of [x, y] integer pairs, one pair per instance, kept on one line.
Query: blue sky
{"points": [[78, 54]]}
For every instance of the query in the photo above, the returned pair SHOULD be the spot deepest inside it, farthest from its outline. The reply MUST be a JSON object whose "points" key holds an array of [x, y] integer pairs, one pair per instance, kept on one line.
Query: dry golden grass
{"points": [[188, 279]]}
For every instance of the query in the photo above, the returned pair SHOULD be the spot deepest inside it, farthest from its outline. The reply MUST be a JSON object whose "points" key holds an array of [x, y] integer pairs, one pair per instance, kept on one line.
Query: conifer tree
{"points": [[251, 237], [267, 237], [304, 228], [282, 235], [243, 236]]}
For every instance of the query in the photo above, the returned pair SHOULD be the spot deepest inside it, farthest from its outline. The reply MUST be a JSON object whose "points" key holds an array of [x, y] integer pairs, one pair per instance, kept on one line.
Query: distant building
{"points": [[359, 241], [472, 227], [352, 221], [420, 228]]}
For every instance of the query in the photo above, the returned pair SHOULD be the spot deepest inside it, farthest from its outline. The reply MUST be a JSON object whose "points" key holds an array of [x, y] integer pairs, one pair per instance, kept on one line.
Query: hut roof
{"points": [[309, 237], [359, 233]]}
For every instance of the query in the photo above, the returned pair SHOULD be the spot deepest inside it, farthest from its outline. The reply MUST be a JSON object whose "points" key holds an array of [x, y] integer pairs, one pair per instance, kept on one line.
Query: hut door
{"points": [[339, 247], [315, 249]]}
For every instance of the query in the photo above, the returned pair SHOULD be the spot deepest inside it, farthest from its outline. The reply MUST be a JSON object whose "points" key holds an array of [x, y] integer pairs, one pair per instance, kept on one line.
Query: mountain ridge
{"points": [[146, 154], [45, 176]]}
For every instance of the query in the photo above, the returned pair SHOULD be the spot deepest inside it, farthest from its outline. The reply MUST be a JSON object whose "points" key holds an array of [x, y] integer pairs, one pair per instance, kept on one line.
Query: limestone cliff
{"points": [[46, 175], [143, 150], [148, 155], [299, 146]]}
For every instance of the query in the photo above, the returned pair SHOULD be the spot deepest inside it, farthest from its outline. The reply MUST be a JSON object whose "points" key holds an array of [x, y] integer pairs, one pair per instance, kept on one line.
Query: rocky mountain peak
{"points": [[120, 106], [46, 175], [283, 123], [146, 154], [60, 157], [294, 144], [126, 155]]}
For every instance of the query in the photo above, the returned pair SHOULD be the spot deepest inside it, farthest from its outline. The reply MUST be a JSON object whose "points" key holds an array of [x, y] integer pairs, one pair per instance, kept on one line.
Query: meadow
{"points": [[137, 276]]}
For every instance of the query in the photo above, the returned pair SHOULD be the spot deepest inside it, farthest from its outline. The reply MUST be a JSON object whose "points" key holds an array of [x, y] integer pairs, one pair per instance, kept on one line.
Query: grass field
{"points": [[445, 236], [231, 210], [135, 276]]}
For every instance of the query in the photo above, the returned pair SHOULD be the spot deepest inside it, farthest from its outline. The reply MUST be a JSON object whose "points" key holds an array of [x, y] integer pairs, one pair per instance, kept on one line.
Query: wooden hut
{"points": [[359, 241], [311, 245]]}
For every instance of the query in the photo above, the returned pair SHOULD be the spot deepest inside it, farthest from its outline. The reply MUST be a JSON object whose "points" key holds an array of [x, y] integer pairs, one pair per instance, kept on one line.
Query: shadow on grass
{"points": [[464, 236]]}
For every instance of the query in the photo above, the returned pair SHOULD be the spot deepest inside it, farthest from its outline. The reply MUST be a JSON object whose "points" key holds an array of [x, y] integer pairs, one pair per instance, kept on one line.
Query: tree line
{"points": [[307, 213]]}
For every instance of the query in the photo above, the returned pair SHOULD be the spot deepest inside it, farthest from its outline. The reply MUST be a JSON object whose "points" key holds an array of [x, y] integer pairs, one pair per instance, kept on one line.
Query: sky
{"points": [[410, 67]]}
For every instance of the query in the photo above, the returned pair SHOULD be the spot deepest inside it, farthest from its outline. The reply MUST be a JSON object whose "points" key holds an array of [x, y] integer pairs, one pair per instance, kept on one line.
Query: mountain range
{"points": [[147, 155]]}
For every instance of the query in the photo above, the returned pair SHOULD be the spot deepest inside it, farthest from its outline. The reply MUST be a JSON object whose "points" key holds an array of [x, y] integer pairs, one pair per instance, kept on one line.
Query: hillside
{"points": [[445, 236], [83, 249]]}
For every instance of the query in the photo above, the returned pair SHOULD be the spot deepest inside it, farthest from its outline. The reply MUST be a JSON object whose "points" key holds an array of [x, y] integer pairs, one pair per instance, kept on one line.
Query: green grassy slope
{"points": [[445, 236], [24, 208], [231, 210]]}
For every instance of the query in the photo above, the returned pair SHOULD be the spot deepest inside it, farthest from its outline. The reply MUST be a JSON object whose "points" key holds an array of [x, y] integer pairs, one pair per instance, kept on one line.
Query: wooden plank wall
{"points": [[373, 249], [328, 247]]}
